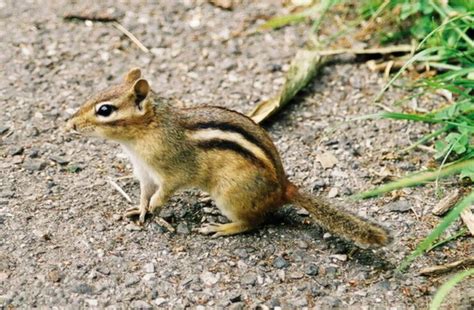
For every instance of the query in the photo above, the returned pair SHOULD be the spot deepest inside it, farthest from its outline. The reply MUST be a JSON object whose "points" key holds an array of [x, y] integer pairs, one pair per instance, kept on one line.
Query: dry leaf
{"points": [[302, 69], [327, 160], [223, 4]]}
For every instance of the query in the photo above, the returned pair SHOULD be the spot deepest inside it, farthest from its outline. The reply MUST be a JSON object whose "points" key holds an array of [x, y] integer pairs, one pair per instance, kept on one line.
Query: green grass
{"points": [[441, 32], [444, 34], [444, 290]]}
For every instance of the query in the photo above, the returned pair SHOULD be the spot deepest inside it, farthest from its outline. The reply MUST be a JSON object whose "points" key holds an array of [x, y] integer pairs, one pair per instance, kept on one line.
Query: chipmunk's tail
{"points": [[338, 222]]}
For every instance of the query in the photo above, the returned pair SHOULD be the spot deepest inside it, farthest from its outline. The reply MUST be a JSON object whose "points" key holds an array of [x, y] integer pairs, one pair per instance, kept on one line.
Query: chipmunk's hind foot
{"points": [[218, 230]]}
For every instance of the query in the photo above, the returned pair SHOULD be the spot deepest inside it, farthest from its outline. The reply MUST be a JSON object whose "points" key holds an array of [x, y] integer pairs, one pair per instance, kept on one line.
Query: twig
{"points": [[131, 37], [119, 189], [426, 148], [377, 50], [125, 177], [164, 223], [468, 218], [92, 16], [436, 270], [446, 203]]}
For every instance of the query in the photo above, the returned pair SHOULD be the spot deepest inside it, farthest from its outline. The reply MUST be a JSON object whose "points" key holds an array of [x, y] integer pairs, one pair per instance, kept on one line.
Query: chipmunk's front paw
{"points": [[136, 211]]}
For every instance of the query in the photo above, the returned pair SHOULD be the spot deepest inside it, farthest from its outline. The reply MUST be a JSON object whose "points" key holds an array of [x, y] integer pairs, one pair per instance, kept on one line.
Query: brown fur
{"points": [[246, 188]]}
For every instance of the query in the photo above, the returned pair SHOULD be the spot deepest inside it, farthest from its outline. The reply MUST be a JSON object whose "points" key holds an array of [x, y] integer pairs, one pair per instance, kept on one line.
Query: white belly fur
{"points": [[142, 171]]}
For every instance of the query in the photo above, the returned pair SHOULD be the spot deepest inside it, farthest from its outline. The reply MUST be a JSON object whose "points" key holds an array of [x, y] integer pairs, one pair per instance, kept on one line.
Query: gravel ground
{"points": [[63, 240]]}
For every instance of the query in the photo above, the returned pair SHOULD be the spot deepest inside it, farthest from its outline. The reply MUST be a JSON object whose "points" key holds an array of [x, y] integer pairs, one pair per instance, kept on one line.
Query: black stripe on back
{"points": [[230, 146], [237, 129]]}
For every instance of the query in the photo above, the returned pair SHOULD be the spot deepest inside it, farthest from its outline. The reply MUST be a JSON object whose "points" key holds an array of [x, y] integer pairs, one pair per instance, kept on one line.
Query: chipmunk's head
{"points": [[117, 113]]}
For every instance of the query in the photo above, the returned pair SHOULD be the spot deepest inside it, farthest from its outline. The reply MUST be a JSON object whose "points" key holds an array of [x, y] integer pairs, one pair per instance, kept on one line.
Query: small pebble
{"points": [[280, 262], [183, 229], [311, 270], [34, 165], [249, 278]]}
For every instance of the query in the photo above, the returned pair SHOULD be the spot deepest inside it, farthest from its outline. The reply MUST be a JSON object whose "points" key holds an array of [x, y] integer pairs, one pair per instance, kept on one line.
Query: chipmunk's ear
{"points": [[141, 88], [132, 75]]}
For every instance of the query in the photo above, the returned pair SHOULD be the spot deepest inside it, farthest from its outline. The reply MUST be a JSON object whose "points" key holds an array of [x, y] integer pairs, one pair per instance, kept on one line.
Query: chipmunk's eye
{"points": [[105, 110]]}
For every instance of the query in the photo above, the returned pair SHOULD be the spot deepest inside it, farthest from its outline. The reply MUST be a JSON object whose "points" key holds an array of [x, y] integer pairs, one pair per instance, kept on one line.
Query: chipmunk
{"points": [[217, 150]]}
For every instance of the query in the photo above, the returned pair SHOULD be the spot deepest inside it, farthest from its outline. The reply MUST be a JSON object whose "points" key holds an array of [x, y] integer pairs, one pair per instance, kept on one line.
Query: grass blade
{"points": [[448, 286], [460, 233], [418, 179], [428, 137], [416, 57], [281, 21], [435, 233]]}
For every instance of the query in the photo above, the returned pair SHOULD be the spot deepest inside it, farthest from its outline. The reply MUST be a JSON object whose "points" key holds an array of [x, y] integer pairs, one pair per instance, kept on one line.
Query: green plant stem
{"points": [[460, 233], [326, 5], [442, 26], [416, 57], [435, 233], [461, 33], [427, 138]]}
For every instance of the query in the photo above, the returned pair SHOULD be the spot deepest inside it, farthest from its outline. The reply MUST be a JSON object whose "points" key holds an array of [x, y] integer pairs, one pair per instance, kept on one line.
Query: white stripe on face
{"points": [[210, 134]]}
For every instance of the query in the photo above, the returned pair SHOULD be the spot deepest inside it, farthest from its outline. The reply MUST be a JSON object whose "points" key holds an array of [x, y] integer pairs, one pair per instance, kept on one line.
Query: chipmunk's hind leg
{"points": [[246, 202], [224, 229]]}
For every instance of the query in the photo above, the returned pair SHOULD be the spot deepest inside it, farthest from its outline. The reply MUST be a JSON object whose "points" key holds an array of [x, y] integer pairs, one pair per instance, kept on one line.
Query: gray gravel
{"points": [[63, 240]]}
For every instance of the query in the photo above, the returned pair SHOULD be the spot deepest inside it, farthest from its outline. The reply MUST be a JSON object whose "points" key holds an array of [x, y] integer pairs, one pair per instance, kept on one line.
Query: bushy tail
{"points": [[338, 222]]}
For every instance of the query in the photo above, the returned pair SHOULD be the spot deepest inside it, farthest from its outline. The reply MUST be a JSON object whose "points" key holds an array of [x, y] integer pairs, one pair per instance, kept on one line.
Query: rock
{"points": [[302, 244], [249, 278], [228, 64], [399, 206], [209, 278], [318, 184], [140, 304], [131, 280], [59, 160], [333, 192], [241, 252], [149, 277], [296, 275], [159, 301], [34, 165], [117, 217], [303, 212], [3, 129], [329, 302], [149, 268], [235, 297], [103, 270], [16, 150], [183, 229], [166, 213], [83, 288], [280, 262], [3, 276], [132, 227], [340, 257], [54, 276], [237, 306], [327, 160], [7, 194], [311, 270], [299, 302], [91, 302]]}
